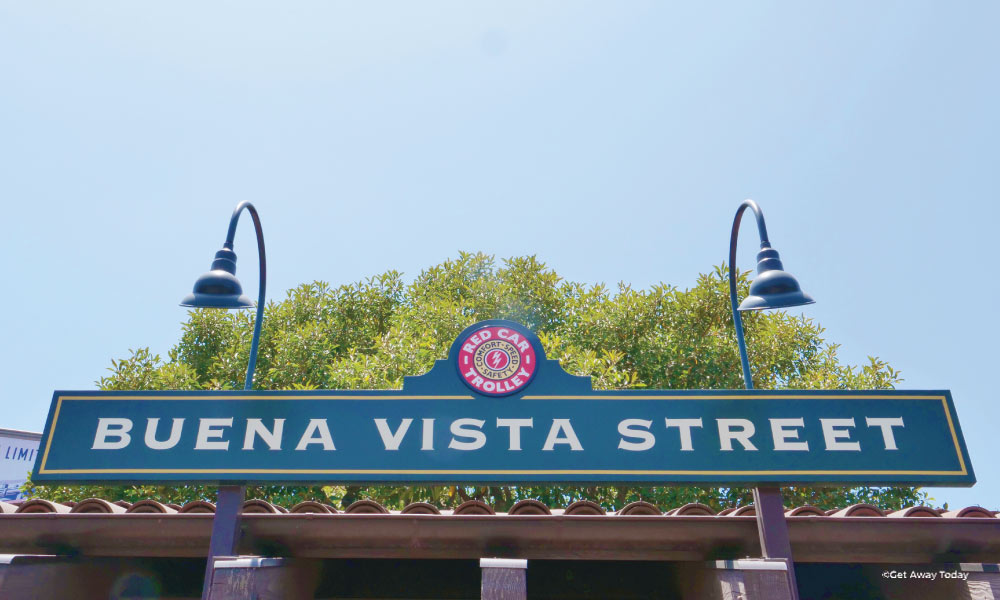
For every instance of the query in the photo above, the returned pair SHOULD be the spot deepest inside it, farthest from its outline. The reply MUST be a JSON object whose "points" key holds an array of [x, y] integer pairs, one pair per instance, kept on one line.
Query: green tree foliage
{"points": [[371, 334]]}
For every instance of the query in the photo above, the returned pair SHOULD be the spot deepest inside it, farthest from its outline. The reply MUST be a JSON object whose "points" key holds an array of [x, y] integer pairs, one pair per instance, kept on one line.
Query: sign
{"points": [[496, 360], [498, 411], [18, 451]]}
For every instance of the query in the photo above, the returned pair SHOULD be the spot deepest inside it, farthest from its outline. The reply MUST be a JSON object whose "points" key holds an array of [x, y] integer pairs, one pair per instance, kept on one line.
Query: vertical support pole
{"points": [[226, 524], [773, 530], [504, 579], [771, 524], [225, 529]]}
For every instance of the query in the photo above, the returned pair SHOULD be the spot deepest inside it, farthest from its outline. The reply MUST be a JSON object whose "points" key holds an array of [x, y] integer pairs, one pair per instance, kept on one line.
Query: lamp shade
{"points": [[773, 287], [219, 288]]}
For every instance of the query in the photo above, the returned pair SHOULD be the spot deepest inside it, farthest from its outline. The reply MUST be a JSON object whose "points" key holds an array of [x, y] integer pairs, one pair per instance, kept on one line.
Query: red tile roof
{"points": [[530, 529], [476, 507]]}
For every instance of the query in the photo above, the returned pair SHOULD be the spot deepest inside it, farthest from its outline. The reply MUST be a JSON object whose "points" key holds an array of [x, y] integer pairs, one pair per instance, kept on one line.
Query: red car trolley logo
{"points": [[497, 361]]}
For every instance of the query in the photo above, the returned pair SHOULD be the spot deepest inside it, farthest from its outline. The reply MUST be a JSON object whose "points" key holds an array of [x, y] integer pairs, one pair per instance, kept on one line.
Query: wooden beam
{"points": [[49, 576], [240, 578], [909, 540], [745, 579], [504, 578], [983, 581]]}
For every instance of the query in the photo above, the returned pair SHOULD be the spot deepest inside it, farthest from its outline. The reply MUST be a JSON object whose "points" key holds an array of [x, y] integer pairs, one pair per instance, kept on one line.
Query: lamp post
{"points": [[219, 288], [772, 288]]}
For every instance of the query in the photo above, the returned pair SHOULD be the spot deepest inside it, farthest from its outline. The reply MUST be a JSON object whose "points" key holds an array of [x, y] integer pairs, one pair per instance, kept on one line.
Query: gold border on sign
{"points": [[444, 472]]}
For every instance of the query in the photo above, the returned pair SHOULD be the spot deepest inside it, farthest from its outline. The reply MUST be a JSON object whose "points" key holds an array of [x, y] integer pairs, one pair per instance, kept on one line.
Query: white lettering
{"points": [[742, 435], [317, 432], [833, 432], [460, 429], [390, 440], [625, 429], [886, 424], [116, 428], [211, 429], [783, 436], [272, 437], [175, 434], [428, 441], [568, 437], [515, 425], [684, 427]]}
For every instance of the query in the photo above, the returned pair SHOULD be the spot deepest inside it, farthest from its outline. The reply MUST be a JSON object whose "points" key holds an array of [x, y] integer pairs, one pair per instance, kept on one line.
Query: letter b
{"points": [[112, 428]]}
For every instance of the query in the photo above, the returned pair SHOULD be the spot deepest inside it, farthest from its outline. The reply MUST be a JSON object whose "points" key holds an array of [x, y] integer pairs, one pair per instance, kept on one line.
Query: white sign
{"points": [[18, 450]]}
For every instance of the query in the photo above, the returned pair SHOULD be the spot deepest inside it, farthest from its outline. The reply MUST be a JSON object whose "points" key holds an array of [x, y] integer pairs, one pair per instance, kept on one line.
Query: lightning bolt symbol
{"points": [[495, 360]]}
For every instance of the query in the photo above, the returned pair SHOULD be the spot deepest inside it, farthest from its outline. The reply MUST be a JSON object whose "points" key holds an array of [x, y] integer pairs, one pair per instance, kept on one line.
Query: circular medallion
{"points": [[496, 361]]}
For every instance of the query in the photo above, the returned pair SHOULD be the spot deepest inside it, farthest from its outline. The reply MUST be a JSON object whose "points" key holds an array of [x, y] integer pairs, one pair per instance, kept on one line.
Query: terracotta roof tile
{"points": [[96, 505], [420, 508], [806, 510], [639, 507], [251, 507], [151, 506], [365, 507], [529, 507], [860, 510], [198, 507], [916, 511], [311, 506], [476, 507], [970, 512], [584, 507], [692, 509], [42, 506]]}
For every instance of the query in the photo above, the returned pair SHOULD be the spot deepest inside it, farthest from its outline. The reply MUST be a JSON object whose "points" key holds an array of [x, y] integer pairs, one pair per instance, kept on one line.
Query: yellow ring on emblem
{"points": [[488, 371]]}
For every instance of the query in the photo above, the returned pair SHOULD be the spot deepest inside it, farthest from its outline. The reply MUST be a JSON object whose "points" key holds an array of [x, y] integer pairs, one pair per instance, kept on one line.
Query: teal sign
{"points": [[497, 411]]}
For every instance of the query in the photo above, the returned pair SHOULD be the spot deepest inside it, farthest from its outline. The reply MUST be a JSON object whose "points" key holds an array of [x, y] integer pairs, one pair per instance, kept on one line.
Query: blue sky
{"points": [[613, 140]]}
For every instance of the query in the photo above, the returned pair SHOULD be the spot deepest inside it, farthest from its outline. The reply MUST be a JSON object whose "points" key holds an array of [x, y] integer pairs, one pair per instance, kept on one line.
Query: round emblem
{"points": [[496, 361]]}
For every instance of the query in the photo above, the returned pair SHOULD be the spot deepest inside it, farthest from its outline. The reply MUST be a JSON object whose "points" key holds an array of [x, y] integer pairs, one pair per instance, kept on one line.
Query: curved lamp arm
{"points": [[255, 341], [764, 243], [781, 290]]}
